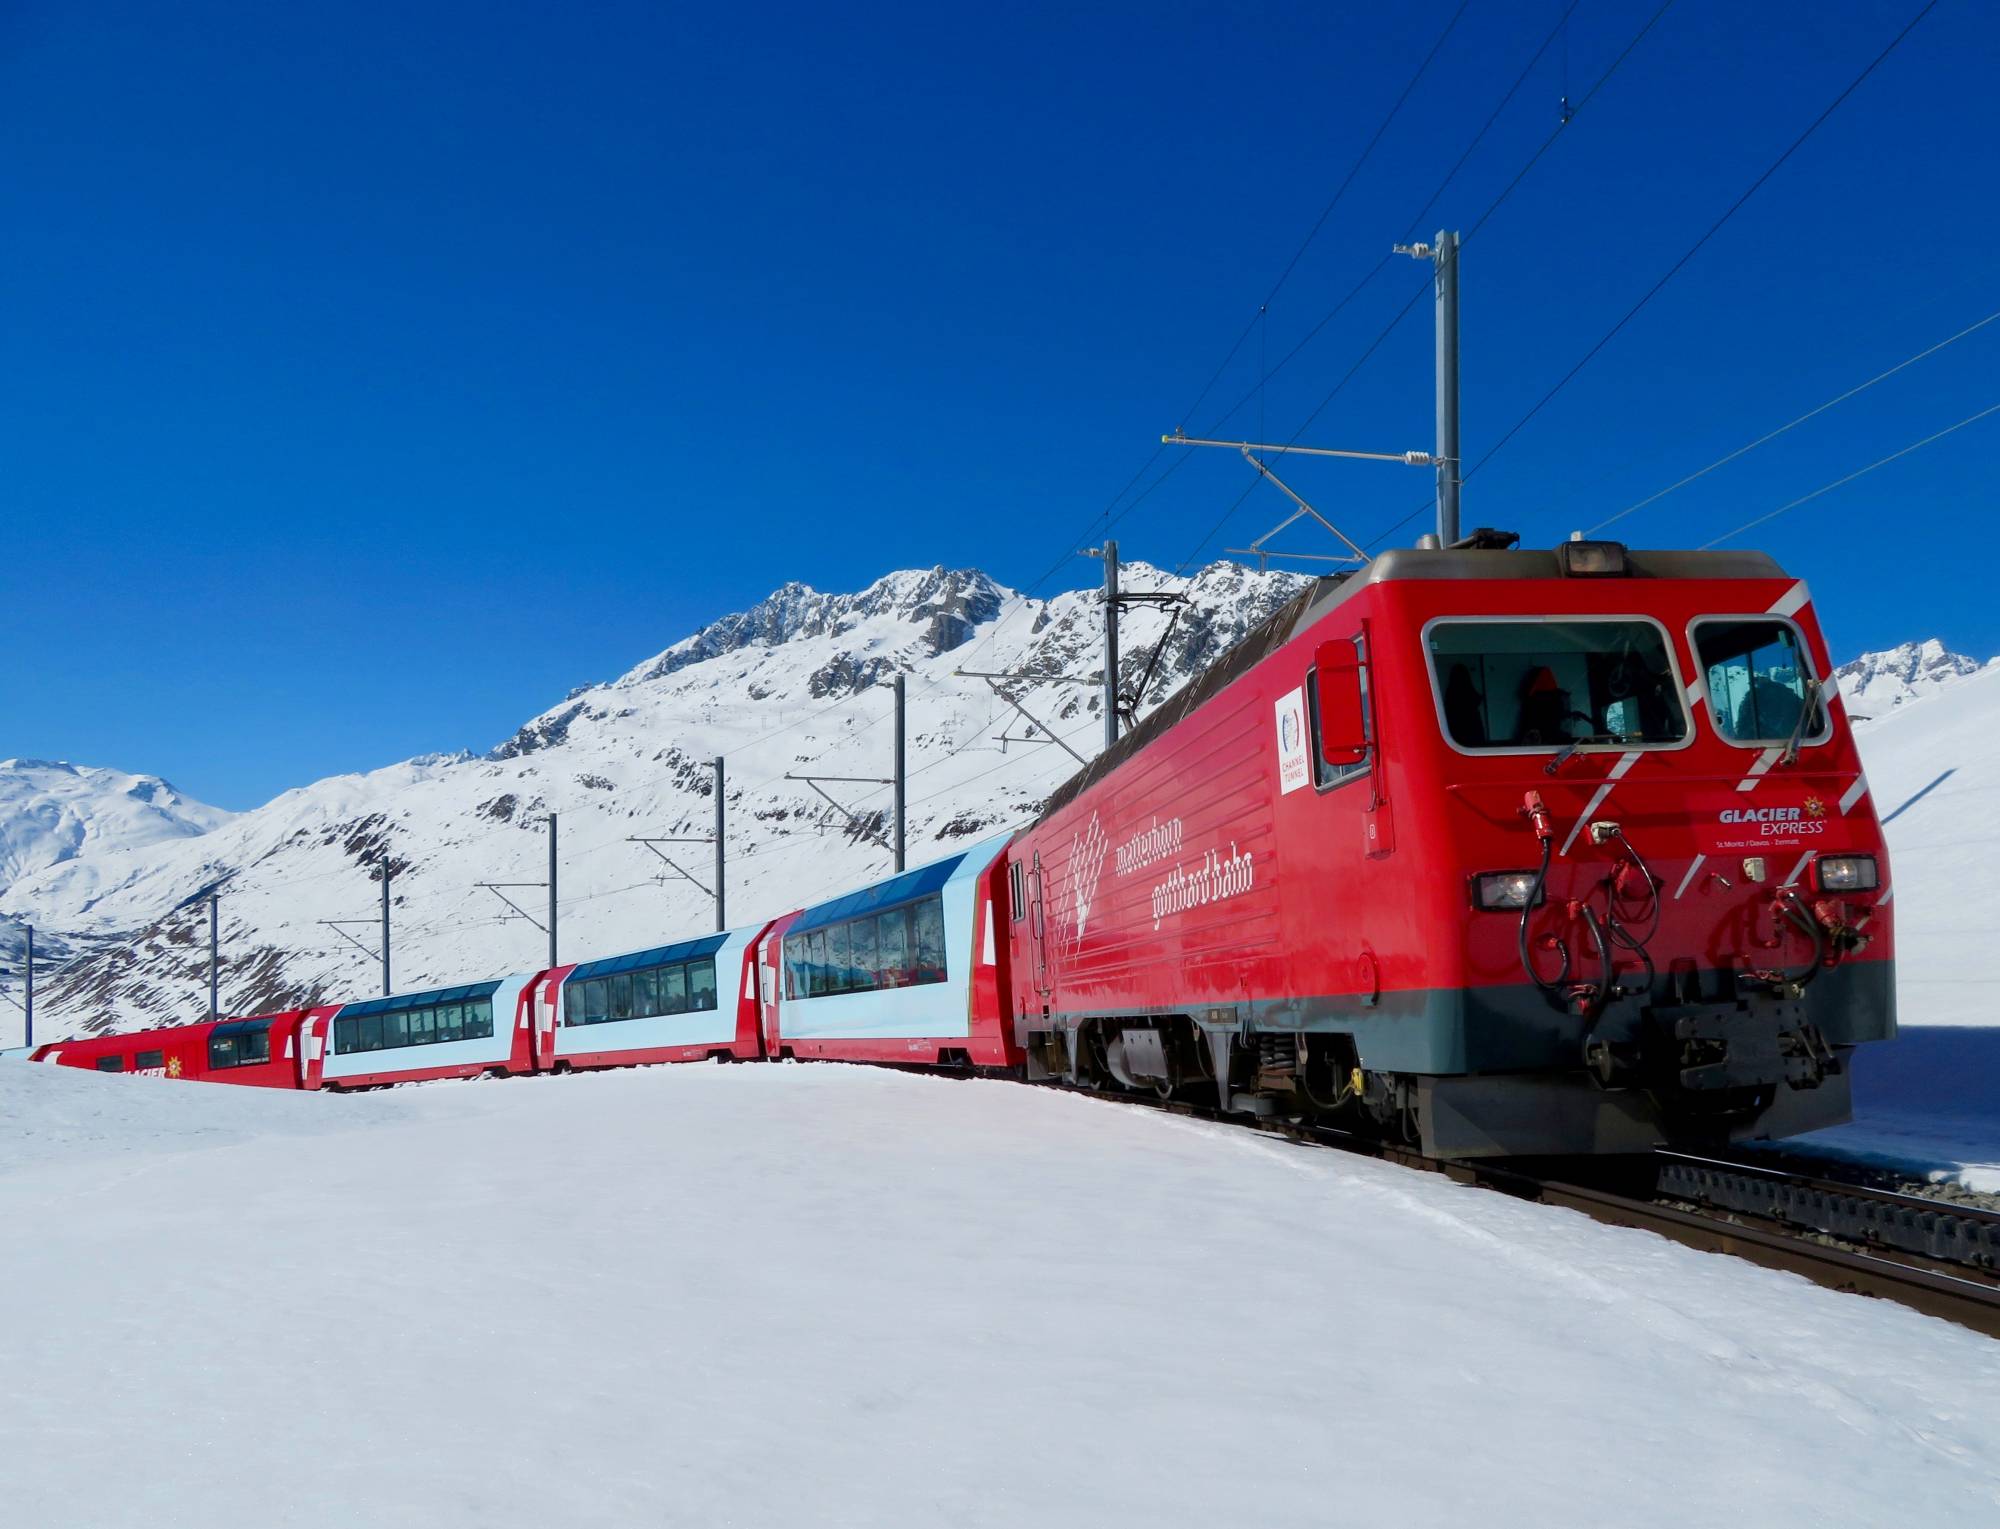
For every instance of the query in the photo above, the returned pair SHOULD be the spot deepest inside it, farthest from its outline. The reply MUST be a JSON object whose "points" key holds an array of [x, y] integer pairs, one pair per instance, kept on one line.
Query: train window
{"points": [[672, 989], [701, 984], [649, 992], [1526, 686], [395, 1030], [239, 1043], [840, 958], [1017, 889], [928, 921], [892, 943], [422, 1028], [816, 984], [479, 1020], [867, 960], [450, 1022], [111, 1064], [1758, 680], [147, 1059], [621, 995], [1327, 775]]}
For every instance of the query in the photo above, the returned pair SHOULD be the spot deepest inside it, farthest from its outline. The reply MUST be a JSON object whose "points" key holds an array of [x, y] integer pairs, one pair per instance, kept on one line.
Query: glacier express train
{"points": [[1499, 851]]}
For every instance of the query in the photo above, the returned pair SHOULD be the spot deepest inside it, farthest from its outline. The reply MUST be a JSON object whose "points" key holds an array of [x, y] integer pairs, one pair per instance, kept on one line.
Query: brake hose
{"points": [[1810, 927], [1527, 911]]}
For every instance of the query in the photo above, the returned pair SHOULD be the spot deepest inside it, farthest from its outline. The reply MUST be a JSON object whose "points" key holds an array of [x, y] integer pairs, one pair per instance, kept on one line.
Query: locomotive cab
{"points": [[1669, 916], [1506, 852]]}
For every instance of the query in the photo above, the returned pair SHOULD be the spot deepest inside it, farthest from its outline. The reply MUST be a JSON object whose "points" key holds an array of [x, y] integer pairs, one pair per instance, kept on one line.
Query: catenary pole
{"points": [[214, 916], [1444, 257], [1110, 642], [552, 889], [28, 1004], [721, 913], [901, 772], [386, 873]]}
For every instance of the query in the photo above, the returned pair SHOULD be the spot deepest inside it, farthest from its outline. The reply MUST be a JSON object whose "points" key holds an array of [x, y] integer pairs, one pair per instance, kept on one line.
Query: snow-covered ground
{"points": [[792, 1295], [1934, 771], [1926, 1104]]}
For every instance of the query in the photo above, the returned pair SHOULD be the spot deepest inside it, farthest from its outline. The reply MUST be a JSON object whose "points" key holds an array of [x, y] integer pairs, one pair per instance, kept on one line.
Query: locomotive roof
{"points": [[1401, 563]]}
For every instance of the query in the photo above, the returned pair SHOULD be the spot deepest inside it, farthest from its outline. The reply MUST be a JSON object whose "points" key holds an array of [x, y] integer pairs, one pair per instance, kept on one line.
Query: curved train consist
{"points": [[1503, 852]]}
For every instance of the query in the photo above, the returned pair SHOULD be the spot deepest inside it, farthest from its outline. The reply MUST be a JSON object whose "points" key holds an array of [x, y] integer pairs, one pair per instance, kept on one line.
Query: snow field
{"points": [[789, 1295]]}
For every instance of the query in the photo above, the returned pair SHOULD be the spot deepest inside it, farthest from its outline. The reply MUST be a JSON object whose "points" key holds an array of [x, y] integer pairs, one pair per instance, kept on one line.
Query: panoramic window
{"points": [[147, 1059], [1758, 680], [111, 1064], [677, 987], [1549, 684], [897, 947], [419, 1024]]}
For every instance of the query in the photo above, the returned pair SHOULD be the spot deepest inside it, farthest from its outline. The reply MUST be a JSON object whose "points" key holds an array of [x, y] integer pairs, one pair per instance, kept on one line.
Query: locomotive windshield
{"points": [[1759, 680], [1511, 685]]}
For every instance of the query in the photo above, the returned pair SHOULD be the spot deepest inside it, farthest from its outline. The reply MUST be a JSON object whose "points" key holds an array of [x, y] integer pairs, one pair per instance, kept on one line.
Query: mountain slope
{"points": [[52, 811], [1876, 683], [793, 685]]}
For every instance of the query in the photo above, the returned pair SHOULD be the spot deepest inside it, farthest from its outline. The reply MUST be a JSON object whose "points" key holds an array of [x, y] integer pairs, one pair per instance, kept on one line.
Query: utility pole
{"points": [[386, 873], [901, 772], [28, 1005], [1445, 265], [898, 781], [1442, 253], [213, 915], [721, 918], [1110, 555], [552, 890]]}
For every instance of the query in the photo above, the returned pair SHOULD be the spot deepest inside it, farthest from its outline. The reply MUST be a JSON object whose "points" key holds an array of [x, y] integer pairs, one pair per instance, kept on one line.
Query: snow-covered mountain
{"points": [[1876, 682], [52, 811], [793, 685]]}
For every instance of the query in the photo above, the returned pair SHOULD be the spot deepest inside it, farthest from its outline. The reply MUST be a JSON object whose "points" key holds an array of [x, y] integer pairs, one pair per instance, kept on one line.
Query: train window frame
{"points": [[1553, 618], [1758, 745], [1342, 774], [1017, 890], [145, 1059]]}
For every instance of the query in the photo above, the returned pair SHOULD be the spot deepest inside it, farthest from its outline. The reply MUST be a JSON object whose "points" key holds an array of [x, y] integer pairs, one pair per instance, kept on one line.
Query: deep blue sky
{"points": [[371, 375]]}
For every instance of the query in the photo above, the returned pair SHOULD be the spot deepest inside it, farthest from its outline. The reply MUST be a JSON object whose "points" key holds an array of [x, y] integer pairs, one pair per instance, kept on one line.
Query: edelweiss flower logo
{"points": [[1086, 865], [1815, 808], [173, 1067]]}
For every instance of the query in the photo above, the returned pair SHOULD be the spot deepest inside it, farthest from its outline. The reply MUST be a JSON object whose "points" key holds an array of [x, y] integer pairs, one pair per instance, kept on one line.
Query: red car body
{"points": [[1187, 909]]}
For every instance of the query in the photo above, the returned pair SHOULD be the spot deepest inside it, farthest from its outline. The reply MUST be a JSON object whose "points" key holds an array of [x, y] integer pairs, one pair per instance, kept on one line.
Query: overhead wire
{"points": [[1765, 439], [1860, 472], [1520, 175], [1699, 244]]}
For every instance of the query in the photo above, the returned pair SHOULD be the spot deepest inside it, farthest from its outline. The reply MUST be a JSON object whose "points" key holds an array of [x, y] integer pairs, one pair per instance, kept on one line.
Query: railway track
{"points": [[1934, 1256]]}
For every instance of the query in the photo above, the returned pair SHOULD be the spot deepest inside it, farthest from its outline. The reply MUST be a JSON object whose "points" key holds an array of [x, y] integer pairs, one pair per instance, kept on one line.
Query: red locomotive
{"points": [[1513, 852], [1505, 852]]}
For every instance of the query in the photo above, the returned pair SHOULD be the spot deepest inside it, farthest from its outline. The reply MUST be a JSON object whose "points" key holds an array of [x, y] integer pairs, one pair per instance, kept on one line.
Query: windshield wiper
{"points": [[1808, 704], [1564, 754]]}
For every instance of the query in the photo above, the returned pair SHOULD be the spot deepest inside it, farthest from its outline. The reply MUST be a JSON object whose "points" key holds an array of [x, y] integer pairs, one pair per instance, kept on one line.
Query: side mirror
{"points": [[1343, 731]]}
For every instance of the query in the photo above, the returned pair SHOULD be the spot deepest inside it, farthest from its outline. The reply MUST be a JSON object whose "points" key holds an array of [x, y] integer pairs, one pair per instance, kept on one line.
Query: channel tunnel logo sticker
{"points": [[1294, 769]]}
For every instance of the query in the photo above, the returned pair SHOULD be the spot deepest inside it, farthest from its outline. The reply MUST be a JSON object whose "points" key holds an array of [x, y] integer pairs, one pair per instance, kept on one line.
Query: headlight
{"points": [[1848, 873], [1503, 891]]}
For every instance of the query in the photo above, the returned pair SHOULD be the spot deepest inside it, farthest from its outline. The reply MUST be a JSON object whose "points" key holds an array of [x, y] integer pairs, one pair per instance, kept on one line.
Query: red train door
{"points": [[1038, 933]]}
